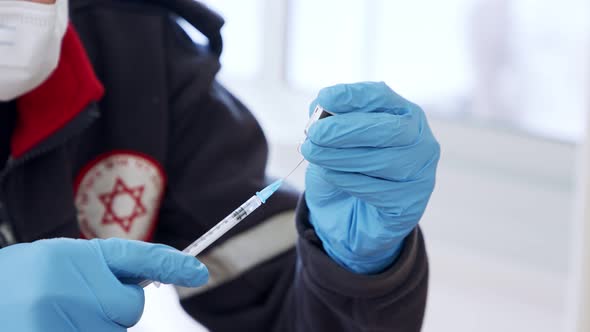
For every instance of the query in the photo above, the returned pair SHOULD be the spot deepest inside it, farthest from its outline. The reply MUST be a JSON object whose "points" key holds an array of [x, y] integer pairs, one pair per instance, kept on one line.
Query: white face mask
{"points": [[30, 44]]}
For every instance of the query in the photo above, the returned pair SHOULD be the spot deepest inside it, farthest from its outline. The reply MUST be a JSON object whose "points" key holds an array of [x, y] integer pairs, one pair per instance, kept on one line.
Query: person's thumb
{"points": [[138, 260]]}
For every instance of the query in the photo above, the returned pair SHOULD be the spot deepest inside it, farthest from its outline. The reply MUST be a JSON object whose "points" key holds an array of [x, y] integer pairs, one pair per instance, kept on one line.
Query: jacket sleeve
{"points": [[326, 297], [217, 160]]}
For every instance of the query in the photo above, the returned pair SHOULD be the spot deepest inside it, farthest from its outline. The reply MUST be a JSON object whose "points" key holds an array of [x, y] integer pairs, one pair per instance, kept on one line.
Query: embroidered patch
{"points": [[119, 195]]}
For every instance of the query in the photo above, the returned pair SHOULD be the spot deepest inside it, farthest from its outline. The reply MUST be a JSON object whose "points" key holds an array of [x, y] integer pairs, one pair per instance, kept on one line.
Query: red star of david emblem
{"points": [[122, 213]]}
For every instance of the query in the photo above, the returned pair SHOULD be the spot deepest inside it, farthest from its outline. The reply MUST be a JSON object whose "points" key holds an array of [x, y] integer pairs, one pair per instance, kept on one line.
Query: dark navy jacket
{"points": [[164, 154]]}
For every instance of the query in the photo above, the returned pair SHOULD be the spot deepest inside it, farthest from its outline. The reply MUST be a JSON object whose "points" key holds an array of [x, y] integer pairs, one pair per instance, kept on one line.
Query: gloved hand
{"points": [[76, 285], [371, 173]]}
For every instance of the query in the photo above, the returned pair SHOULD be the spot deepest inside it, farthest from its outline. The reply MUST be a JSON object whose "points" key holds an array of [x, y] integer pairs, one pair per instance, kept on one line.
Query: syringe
{"points": [[228, 222], [245, 209]]}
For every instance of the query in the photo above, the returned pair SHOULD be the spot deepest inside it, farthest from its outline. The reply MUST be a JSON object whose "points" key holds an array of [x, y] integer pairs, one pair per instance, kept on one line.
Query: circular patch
{"points": [[119, 195]]}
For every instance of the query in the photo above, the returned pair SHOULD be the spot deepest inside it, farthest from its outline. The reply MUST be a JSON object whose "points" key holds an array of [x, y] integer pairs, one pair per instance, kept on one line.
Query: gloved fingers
{"points": [[393, 163], [360, 97], [123, 304], [376, 130], [323, 192], [392, 198], [157, 262]]}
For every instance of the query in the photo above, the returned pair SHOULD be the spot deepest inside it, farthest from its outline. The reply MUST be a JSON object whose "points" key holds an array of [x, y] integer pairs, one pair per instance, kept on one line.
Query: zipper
{"points": [[75, 127]]}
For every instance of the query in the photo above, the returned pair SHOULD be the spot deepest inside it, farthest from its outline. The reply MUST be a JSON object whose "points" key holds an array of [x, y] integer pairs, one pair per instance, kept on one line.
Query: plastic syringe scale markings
{"points": [[213, 233], [226, 223], [237, 215]]}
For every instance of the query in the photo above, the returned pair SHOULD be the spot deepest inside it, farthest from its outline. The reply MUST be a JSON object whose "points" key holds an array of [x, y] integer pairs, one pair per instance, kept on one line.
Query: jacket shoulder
{"points": [[195, 13]]}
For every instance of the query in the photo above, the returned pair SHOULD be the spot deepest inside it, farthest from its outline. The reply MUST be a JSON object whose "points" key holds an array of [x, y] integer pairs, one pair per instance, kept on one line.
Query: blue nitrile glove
{"points": [[371, 173], [76, 285]]}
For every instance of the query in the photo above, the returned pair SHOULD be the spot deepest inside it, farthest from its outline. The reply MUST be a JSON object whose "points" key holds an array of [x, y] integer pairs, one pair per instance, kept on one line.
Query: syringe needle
{"points": [[294, 169]]}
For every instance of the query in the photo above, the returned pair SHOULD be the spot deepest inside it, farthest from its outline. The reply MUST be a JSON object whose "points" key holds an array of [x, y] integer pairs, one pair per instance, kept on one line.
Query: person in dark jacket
{"points": [[115, 132]]}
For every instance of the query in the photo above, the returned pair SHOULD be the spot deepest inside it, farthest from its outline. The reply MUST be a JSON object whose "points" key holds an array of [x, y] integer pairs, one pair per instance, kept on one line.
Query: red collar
{"points": [[66, 93]]}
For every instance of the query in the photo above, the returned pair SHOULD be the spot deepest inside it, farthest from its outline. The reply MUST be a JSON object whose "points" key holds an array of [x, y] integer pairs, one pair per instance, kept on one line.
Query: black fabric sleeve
{"points": [[327, 297]]}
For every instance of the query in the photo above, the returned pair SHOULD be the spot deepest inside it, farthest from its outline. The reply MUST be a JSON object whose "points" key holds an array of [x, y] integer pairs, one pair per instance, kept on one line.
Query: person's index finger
{"points": [[366, 130], [140, 260], [360, 97]]}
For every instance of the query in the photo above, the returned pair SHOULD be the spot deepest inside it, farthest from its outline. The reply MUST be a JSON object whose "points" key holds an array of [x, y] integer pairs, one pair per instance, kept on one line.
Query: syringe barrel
{"points": [[217, 231], [223, 226]]}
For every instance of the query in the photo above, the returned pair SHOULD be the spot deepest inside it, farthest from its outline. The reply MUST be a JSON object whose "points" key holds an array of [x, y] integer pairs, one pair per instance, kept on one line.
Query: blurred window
{"points": [[513, 63], [242, 35]]}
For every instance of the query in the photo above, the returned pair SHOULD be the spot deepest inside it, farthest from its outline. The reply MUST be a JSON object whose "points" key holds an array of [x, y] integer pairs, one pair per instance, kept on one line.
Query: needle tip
{"points": [[265, 193]]}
